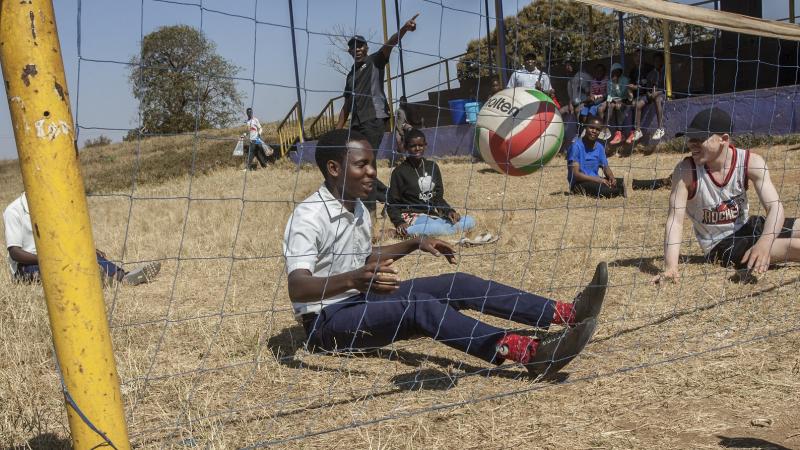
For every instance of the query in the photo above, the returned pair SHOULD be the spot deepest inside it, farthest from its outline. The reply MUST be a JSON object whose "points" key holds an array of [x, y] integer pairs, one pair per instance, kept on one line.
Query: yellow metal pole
{"points": [[36, 86], [667, 58], [388, 68]]}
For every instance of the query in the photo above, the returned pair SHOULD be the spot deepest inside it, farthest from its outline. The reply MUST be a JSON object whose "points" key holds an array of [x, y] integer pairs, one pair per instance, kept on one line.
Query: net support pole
{"points": [[791, 11], [39, 104], [388, 67], [667, 58], [621, 25], [488, 40], [500, 29], [400, 47], [301, 128]]}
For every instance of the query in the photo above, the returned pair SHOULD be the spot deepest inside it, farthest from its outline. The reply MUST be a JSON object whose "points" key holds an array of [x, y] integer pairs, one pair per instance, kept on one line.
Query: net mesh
{"points": [[210, 353]]}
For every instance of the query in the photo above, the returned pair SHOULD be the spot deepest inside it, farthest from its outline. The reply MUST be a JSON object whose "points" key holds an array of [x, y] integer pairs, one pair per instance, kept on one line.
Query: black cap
{"points": [[357, 38], [707, 122]]}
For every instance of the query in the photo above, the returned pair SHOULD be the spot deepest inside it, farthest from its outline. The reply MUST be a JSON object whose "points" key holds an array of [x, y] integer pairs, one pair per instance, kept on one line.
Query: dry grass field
{"points": [[211, 357]]}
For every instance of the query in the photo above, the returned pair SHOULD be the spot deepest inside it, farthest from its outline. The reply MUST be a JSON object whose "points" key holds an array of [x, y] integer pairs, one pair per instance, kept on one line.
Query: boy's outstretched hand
{"points": [[437, 247], [378, 277]]}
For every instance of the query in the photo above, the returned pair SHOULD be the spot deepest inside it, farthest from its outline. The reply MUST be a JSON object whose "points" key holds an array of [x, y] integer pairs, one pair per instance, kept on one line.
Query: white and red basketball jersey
{"points": [[718, 208]]}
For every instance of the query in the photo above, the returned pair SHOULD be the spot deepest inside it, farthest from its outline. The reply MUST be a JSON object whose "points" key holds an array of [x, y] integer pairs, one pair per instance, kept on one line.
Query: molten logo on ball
{"points": [[519, 131]]}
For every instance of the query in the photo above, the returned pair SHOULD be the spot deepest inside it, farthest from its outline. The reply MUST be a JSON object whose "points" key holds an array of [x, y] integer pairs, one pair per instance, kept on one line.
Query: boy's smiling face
{"points": [[356, 177]]}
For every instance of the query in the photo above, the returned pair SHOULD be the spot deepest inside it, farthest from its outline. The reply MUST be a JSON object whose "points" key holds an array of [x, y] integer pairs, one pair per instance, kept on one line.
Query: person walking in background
{"points": [[365, 99], [24, 263], [256, 149]]}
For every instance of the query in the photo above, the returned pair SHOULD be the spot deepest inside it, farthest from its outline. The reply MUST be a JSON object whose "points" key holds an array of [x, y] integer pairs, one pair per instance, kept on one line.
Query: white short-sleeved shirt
{"points": [[19, 231], [326, 239], [253, 129], [523, 78]]}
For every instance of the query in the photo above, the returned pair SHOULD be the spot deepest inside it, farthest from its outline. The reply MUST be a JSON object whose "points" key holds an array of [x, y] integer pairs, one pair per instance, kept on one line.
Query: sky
{"points": [[110, 33]]}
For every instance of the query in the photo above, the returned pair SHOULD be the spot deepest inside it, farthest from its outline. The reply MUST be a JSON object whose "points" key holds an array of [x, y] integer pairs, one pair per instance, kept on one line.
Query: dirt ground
{"points": [[210, 354]]}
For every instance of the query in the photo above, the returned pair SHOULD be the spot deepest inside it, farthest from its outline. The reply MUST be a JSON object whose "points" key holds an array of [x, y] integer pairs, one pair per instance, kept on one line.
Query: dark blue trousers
{"points": [[428, 307], [30, 272]]}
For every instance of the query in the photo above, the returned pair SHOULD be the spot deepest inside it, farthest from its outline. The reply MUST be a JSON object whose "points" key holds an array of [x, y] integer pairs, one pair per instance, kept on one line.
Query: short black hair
{"points": [[413, 134], [332, 146], [529, 55], [592, 118]]}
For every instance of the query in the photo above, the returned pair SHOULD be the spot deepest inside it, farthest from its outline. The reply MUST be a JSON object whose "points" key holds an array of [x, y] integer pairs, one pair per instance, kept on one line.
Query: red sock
{"points": [[564, 314], [517, 348]]}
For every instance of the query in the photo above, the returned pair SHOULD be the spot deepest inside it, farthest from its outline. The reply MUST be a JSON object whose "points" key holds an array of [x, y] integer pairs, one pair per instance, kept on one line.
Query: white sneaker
{"points": [[658, 134], [637, 135], [604, 135]]}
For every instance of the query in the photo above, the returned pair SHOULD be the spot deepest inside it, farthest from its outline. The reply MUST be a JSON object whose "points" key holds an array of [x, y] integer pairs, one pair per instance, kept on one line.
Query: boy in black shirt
{"points": [[416, 204]]}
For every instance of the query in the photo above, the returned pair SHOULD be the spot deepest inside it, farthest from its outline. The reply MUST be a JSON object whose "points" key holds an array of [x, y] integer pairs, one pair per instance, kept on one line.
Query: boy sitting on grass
{"points": [[587, 156], [415, 203], [710, 186], [349, 297]]}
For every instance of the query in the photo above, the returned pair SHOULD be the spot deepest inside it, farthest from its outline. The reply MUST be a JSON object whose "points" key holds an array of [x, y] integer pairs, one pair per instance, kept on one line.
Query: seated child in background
{"points": [[617, 102], [415, 202], [598, 88], [585, 158]]}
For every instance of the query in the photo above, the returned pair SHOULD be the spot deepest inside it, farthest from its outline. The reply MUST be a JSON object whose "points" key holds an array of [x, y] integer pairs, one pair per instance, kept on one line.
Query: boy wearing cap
{"points": [[364, 96], [711, 187]]}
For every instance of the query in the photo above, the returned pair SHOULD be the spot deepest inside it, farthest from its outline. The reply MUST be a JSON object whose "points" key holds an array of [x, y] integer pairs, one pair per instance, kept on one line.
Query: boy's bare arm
{"points": [[673, 230], [758, 257]]}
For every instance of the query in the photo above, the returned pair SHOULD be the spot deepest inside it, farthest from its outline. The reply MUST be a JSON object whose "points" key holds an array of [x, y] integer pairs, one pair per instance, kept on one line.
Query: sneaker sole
{"points": [[591, 299], [556, 352], [143, 274]]}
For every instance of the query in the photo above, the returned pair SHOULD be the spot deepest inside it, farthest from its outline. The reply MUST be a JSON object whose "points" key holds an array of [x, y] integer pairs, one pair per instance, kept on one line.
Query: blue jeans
{"points": [[428, 307], [436, 226], [30, 272]]}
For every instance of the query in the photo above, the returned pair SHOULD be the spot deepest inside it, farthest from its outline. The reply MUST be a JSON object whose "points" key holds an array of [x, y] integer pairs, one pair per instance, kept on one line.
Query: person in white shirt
{"points": [[257, 148], [710, 186], [24, 263], [531, 77], [349, 297]]}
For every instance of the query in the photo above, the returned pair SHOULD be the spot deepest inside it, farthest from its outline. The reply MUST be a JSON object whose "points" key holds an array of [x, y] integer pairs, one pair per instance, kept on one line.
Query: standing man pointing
{"points": [[364, 96]]}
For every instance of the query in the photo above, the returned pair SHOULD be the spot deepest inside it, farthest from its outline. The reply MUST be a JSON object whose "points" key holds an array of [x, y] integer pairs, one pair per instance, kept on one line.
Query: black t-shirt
{"points": [[638, 76], [416, 190], [366, 96]]}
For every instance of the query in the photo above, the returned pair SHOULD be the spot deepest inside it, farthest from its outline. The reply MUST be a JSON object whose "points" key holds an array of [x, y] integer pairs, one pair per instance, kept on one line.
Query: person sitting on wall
{"points": [[578, 88], [618, 102], [24, 263], [415, 203]]}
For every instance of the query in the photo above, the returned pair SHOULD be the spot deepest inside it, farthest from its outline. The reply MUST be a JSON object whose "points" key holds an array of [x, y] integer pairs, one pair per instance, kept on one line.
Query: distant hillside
{"points": [[115, 167]]}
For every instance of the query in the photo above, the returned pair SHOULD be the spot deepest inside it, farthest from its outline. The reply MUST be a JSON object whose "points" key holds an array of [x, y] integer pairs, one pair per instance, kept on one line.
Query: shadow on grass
{"points": [[46, 441], [285, 344], [685, 312], [647, 264], [749, 442]]}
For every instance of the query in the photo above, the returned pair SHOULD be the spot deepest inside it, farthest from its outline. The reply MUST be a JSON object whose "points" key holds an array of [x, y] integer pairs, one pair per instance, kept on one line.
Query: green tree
{"points": [[567, 29], [182, 84]]}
